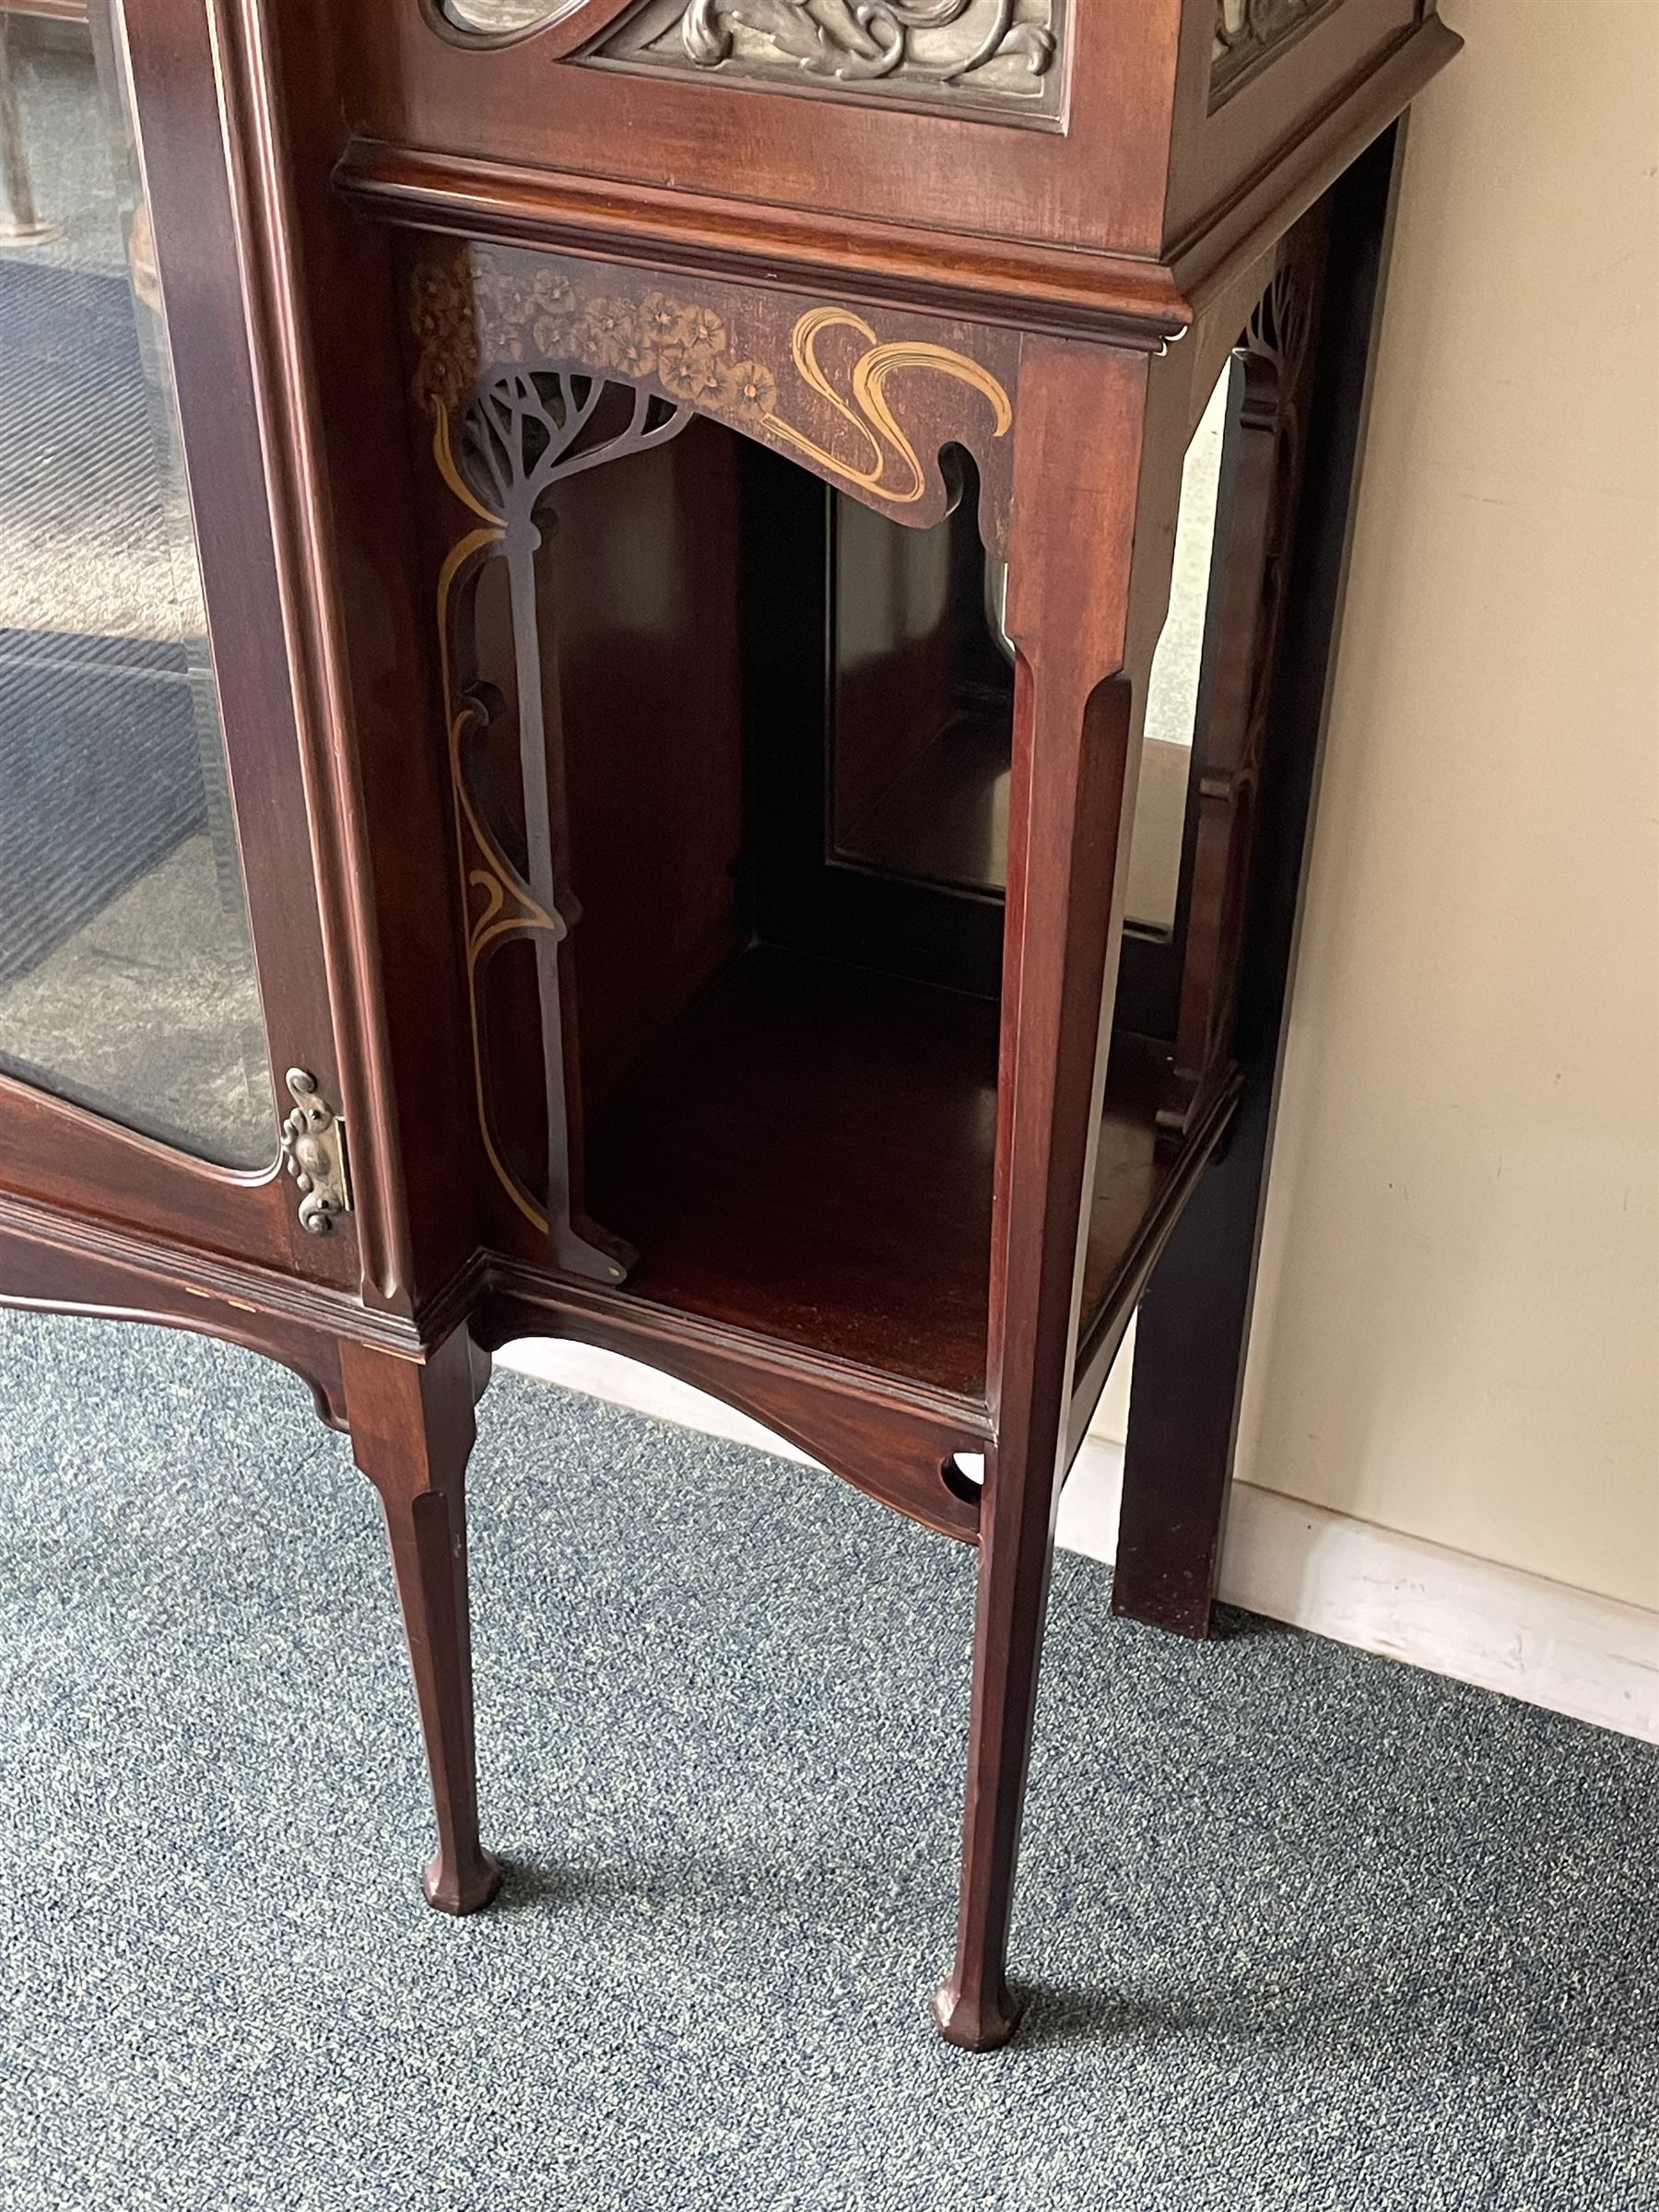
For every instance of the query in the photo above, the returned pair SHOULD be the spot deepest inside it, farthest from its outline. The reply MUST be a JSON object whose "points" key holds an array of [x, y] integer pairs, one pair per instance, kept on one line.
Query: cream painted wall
{"points": [[1457, 1328]]}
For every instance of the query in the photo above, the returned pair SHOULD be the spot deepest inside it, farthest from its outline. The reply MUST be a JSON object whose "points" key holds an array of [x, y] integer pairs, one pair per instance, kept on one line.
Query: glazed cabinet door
{"points": [[164, 1010]]}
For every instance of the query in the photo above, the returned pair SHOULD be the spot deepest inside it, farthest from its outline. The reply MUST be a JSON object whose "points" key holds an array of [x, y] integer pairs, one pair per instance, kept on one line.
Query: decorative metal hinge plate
{"points": [[314, 1146]]}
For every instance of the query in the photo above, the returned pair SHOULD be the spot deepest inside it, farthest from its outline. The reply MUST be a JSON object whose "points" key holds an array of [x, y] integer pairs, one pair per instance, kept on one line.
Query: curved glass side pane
{"points": [[127, 971], [1172, 691], [923, 720]]}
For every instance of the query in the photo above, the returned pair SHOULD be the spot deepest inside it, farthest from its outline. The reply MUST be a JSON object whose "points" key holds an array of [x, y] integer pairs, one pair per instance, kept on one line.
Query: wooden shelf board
{"points": [[806, 1154]]}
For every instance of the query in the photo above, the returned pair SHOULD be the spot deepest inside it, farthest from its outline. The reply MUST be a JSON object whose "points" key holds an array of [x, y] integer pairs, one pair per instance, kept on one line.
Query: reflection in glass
{"points": [[502, 15], [923, 699], [1160, 802], [922, 723], [126, 975]]}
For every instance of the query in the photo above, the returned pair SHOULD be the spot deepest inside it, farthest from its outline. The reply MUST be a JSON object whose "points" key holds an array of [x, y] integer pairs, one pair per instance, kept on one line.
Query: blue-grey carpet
{"points": [[1308, 1929]]}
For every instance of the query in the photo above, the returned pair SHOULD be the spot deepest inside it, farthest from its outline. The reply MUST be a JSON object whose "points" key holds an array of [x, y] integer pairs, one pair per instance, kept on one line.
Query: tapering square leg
{"points": [[1077, 481], [412, 1430], [973, 2006], [1194, 1319], [1189, 1371]]}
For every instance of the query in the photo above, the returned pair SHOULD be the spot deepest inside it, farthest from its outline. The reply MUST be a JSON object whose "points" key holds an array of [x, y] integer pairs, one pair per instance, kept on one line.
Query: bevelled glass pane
{"points": [[126, 973]]}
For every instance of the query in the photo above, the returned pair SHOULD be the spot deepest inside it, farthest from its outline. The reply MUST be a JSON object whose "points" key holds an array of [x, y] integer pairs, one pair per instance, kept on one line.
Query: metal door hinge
{"points": [[314, 1146]]}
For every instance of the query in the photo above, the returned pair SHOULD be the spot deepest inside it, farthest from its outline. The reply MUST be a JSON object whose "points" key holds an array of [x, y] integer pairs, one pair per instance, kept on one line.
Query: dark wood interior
{"points": [[807, 1153], [920, 721], [794, 1130], [641, 612], [795, 1136]]}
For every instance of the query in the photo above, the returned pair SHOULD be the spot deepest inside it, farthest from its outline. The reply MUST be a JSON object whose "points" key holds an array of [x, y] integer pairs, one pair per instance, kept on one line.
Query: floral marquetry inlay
{"points": [[473, 325]]}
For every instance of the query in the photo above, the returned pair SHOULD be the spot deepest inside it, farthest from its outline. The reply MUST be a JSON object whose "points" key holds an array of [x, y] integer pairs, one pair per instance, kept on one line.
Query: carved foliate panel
{"points": [[998, 56], [1248, 32]]}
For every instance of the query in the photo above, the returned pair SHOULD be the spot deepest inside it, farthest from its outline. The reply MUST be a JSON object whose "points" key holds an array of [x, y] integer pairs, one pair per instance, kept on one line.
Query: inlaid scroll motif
{"points": [[533, 369], [1002, 53], [1248, 31], [835, 395], [502, 435]]}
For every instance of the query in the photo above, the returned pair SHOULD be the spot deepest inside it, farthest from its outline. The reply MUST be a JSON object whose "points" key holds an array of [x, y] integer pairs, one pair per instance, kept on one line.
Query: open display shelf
{"points": [[806, 1154]]}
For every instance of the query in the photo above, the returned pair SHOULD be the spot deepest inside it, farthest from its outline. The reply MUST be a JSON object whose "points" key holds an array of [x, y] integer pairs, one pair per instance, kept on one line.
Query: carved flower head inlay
{"points": [[446, 333], [608, 328], [660, 319], [700, 327], [753, 390], [693, 374]]}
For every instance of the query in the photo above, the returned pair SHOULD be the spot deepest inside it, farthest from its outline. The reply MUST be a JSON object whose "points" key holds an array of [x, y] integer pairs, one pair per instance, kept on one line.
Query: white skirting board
{"points": [[1567, 1650]]}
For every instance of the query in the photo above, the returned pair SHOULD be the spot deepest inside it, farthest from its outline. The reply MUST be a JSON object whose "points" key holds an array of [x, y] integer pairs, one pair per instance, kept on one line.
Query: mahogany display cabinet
{"points": [[660, 681]]}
